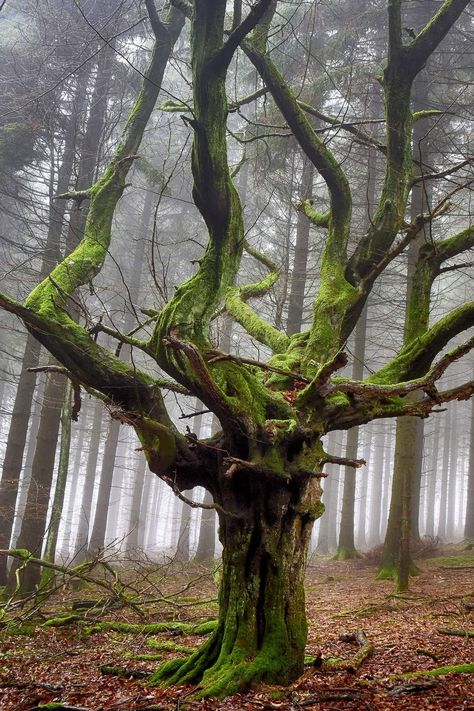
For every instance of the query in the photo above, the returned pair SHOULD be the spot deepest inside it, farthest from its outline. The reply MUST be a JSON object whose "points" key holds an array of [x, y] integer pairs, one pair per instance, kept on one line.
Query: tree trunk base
{"points": [[217, 674], [347, 554], [390, 572]]}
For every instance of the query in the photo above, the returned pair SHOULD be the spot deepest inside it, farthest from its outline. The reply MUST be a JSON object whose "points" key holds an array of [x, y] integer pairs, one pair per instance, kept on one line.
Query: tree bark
{"points": [[469, 520], [261, 632]]}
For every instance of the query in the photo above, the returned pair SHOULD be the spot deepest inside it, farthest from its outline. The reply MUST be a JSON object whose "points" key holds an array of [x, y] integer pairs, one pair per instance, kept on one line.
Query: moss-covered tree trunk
{"points": [[261, 632]]}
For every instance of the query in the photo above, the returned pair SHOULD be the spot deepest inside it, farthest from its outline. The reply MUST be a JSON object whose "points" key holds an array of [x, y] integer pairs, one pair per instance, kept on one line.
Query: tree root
{"points": [[439, 671], [427, 653], [347, 554], [413, 687], [154, 628], [170, 647], [62, 621], [366, 650], [123, 672], [455, 633], [217, 674]]}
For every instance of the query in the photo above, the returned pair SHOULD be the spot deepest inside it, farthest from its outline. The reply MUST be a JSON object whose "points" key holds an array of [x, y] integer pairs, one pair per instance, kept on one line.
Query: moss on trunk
{"points": [[261, 632]]}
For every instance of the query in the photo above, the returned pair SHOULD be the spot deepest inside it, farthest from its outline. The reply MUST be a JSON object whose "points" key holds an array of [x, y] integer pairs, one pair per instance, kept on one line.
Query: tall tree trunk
{"points": [[327, 528], [409, 437], [376, 491], [182, 553], [387, 480], [432, 477], [137, 515], [207, 533], [58, 500], [346, 546], [298, 277], [73, 488], [15, 448], [36, 510], [469, 520], [363, 491], [453, 475], [97, 538], [85, 508], [443, 498]]}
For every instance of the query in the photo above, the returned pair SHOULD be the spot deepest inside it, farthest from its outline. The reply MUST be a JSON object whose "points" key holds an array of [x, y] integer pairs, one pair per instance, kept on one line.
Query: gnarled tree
{"points": [[264, 467]]}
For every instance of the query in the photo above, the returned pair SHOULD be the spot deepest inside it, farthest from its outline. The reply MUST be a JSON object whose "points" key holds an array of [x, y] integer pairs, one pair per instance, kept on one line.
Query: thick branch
{"points": [[416, 357], [315, 149], [319, 219], [258, 364], [209, 392], [350, 416], [226, 53], [343, 461], [237, 307], [418, 51]]}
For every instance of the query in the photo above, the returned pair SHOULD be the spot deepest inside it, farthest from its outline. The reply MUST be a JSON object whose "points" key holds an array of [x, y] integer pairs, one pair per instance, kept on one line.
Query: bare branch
{"points": [[195, 504], [442, 174], [343, 461]]}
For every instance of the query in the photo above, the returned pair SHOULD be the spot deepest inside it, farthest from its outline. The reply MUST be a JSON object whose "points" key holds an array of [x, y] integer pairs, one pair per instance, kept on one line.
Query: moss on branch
{"points": [[416, 357]]}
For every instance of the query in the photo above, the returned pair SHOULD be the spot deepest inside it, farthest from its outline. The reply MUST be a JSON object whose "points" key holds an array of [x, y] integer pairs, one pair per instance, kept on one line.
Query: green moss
{"points": [[124, 673], [452, 561], [170, 646], [165, 672], [390, 572], [20, 630], [61, 621], [440, 671], [347, 554], [204, 627], [154, 628], [246, 316]]}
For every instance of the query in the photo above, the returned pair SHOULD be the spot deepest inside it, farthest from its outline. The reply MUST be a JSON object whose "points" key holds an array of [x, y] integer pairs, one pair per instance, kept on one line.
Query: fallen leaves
{"points": [[60, 664]]}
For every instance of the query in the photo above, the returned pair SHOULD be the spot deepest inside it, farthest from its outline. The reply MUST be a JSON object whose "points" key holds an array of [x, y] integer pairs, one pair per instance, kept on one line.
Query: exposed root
{"points": [[366, 650], [217, 674], [456, 633], [439, 671]]}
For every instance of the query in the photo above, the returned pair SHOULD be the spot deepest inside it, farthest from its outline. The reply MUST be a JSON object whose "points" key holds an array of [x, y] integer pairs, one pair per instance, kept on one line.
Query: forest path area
{"points": [[72, 663]]}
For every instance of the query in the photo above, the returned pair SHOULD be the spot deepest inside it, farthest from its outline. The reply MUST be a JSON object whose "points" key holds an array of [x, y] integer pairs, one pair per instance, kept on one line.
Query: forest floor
{"points": [[66, 664]]}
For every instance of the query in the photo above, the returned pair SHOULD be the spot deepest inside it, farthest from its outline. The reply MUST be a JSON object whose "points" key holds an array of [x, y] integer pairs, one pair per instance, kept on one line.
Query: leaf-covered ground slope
{"points": [[71, 664]]}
